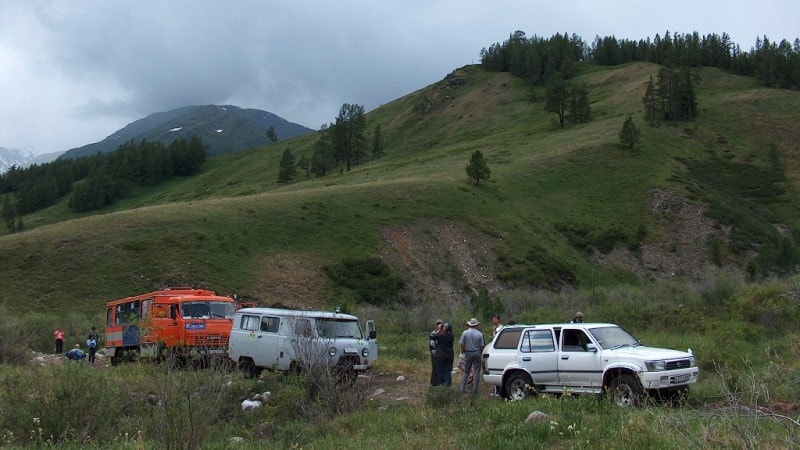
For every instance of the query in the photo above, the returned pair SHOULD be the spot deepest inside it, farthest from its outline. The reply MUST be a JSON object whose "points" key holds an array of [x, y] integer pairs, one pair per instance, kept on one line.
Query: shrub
{"points": [[370, 279], [15, 340]]}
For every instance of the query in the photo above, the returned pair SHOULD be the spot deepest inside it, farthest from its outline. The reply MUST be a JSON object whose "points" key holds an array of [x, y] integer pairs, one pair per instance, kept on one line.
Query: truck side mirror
{"points": [[590, 347]]}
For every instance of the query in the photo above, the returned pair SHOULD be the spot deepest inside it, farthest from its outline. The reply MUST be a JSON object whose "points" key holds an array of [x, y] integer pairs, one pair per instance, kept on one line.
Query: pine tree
{"points": [[377, 142], [287, 170], [629, 134], [9, 212], [556, 98], [477, 169], [650, 101], [271, 135]]}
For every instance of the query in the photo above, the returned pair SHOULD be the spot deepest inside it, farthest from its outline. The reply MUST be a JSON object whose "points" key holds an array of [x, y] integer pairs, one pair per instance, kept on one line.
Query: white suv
{"points": [[584, 358]]}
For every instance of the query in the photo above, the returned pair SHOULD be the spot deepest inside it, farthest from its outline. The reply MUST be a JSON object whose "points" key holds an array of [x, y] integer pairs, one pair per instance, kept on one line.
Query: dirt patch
{"points": [[292, 281], [447, 262], [681, 246]]}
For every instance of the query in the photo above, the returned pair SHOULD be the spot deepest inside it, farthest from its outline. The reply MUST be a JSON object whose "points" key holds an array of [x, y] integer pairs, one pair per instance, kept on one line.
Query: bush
{"points": [[15, 340], [370, 279]]}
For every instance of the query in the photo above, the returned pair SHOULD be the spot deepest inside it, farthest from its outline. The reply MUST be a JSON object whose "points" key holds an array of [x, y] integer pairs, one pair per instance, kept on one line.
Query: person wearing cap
{"points": [[432, 349], [578, 318], [444, 355], [471, 343]]}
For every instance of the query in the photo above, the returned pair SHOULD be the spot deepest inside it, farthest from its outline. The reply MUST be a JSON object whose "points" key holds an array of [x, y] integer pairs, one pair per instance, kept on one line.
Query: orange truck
{"points": [[179, 322]]}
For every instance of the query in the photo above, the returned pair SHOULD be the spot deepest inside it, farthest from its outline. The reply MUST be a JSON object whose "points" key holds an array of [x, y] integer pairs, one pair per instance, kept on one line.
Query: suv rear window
{"points": [[508, 338]]}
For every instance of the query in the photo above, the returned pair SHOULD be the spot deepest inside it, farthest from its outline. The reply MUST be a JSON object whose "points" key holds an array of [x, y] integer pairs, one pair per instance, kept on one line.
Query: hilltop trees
{"points": [[535, 59], [348, 134], [477, 169], [97, 181]]}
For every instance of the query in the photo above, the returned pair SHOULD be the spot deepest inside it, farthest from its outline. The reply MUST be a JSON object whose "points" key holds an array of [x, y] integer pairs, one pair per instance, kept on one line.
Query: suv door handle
{"points": [[564, 356], [526, 358]]}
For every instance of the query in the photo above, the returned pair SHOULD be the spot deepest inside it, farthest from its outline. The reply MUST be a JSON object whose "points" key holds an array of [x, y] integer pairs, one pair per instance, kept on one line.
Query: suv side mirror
{"points": [[591, 347]]}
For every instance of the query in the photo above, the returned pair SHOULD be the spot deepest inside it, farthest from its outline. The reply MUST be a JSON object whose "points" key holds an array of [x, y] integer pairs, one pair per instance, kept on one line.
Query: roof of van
{"points": [[297, 313]]}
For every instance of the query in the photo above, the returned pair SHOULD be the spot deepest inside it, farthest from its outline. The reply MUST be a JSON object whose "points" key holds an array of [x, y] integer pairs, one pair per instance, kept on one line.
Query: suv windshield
{"points": [[613, 337], [331, 329], [207, 310]]}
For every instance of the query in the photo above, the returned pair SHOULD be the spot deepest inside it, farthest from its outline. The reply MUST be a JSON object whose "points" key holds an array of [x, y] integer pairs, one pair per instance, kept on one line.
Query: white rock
{"points": [[401, 378], [250, 405], [536, 416]]}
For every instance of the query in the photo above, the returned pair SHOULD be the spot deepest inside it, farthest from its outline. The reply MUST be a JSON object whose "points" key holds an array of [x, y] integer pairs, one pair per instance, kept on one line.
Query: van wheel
{"points": [[625, 390], [518, 386], [248, 368], [346, 374]]}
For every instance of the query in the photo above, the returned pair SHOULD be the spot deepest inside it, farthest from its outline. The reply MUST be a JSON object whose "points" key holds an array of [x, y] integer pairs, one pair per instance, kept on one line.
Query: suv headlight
{"points": [[656, 366], [692, 362], [332, 352], [365, 352]]}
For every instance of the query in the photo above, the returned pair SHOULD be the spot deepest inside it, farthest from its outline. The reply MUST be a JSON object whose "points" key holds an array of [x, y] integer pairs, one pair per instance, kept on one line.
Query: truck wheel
{"points": [[518, 386], [625, 390], [248, 368]]}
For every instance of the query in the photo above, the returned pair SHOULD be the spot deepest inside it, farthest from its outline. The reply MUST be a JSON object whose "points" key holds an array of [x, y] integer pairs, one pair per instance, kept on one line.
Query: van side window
{"points": [[537, 341], [270, 324], [303, 328], [249, 323]]}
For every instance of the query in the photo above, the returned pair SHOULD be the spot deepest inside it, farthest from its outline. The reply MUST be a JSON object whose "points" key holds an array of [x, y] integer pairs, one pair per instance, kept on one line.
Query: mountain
{"points": [[223, 129], [15, 157], [23, 158]]}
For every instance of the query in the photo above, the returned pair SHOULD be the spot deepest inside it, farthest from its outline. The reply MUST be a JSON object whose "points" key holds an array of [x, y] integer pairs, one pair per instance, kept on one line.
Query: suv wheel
{"points": [[518, 386], [625, 390]]}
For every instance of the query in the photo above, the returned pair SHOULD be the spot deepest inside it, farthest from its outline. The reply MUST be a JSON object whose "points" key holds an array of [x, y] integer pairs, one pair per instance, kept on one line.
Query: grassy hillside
{"points": [[562, 207]]}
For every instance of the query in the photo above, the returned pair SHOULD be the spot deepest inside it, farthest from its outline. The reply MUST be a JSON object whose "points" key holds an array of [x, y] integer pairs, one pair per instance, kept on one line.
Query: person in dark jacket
{"points": [[444, 355]]}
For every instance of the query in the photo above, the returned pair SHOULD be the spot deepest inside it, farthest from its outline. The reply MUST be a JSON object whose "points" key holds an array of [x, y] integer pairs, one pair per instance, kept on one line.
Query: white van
{"points": [[293, 340]]}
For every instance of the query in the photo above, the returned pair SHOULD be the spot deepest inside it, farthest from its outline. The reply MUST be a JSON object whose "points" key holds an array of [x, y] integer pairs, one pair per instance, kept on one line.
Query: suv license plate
{"points": [[681, 378]]}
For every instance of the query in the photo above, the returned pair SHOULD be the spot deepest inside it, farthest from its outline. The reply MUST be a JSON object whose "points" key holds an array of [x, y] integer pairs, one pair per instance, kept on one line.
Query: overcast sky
{"points": [[74, 72]]}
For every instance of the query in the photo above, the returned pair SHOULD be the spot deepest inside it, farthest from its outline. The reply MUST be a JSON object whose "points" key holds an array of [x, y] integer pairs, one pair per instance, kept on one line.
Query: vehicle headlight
{"points": [[365, 352], [692, 362], [332, 352], [656, 366]]}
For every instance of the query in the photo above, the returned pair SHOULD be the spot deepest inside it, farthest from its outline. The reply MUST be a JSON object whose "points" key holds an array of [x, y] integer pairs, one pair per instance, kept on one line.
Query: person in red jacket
{"points": [[58, 335]]}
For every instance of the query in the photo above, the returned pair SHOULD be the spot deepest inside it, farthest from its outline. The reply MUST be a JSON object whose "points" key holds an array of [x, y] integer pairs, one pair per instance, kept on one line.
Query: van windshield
{"points": [[207, 310], [334, 328]]}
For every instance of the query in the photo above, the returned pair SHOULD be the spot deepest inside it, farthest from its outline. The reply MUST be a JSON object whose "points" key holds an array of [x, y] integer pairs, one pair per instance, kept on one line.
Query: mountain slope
{"points": [[563, 207], [223, 129]]}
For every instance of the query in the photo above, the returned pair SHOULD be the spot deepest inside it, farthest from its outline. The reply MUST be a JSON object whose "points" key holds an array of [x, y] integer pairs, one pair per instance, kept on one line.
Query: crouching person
{"points": [[76, 354]]}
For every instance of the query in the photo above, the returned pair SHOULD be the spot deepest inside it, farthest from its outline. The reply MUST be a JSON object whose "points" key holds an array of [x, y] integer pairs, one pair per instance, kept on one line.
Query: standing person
{"points": [[58, 335], [91, 344], [472, 343], [432, 349], [444, 356], [578, 318], [498, 325]]}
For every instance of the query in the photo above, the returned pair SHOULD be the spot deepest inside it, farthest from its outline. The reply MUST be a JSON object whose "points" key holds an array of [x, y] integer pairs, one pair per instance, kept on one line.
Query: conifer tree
{"points": [[650, 101], [287, 170], [629, 134], [477, 169], [9, 212]]}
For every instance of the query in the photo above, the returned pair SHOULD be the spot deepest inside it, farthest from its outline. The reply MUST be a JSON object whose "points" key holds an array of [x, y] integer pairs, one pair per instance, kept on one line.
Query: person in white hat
{"points": [[472, 343]]}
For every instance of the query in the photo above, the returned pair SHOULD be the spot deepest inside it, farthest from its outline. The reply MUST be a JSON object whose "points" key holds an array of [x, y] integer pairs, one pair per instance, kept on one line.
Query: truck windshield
{"points": [[335, 328], [207, 310], [613, 337]]}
